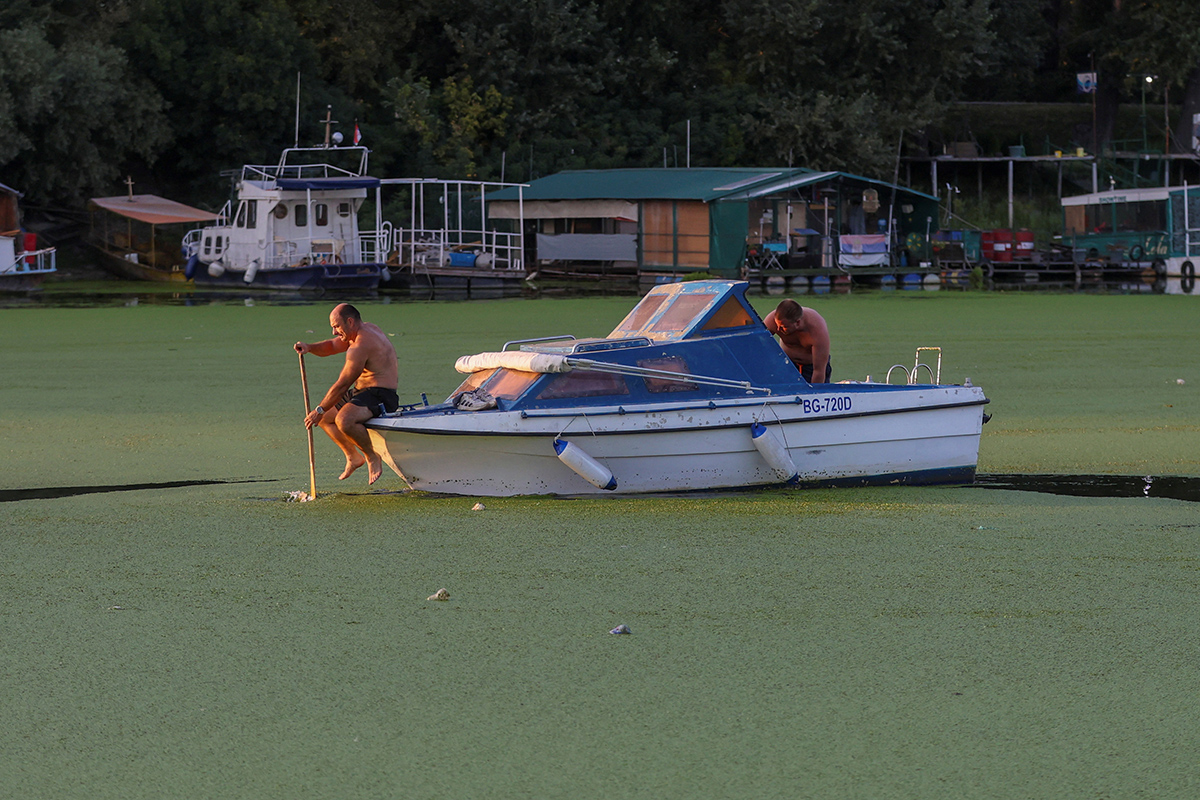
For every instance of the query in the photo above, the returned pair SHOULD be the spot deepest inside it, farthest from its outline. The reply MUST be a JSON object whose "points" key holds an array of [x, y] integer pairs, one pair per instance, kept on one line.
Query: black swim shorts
{"points": [[807, 369], [377, 399]]}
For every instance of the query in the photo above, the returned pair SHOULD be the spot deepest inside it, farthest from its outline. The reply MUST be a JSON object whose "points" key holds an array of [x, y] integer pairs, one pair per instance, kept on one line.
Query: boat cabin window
{"points": [[1148, 215], [731, 314], [301, 215], [212, 244], [320, 215], [584, 384], [343, 209], [668, 364], [247, 214], [280, 211]]}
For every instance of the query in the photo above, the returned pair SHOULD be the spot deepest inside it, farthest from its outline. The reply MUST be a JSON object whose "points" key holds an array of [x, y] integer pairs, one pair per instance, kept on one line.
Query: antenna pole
{"points": [[297, 144]]}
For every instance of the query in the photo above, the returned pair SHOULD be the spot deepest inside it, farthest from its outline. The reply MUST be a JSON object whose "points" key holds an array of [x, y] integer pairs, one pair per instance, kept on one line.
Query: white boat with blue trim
{"points": [[294, 225], [688, 393], [23, 264]]}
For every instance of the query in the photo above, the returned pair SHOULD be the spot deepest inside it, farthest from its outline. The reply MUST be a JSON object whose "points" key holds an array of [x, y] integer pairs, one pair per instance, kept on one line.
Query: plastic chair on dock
{"points": [[774, 255]]}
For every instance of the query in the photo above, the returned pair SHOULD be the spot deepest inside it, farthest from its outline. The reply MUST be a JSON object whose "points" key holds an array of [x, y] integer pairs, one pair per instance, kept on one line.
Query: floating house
{"points": [[729, 222], [1155, 228]]}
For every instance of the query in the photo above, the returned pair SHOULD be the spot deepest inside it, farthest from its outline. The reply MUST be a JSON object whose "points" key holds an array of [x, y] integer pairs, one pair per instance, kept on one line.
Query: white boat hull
{"points": [[913, 434]]}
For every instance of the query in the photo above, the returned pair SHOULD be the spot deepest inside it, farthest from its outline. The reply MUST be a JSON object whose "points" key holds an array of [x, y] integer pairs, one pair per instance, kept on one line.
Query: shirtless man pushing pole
{"points": [[365, 388], [804, 337]]}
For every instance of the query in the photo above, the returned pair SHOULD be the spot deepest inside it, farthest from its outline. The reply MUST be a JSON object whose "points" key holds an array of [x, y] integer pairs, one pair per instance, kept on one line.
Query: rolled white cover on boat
{"points": [[584, 465], [774, 453], [515, 359]]}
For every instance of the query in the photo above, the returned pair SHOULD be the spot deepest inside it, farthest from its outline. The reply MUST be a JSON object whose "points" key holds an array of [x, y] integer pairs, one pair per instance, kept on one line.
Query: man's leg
{"points": [[350, 420], [354, 459]]}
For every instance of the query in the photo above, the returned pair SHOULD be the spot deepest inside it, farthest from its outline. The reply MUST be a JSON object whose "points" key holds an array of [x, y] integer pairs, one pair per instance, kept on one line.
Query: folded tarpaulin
{"points": [[513, 359], [864, 243], [587, 247]]}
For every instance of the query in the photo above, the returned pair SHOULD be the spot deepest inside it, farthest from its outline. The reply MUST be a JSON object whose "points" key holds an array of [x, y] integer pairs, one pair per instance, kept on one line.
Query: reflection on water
{"points": [[118, 293], [1169, 486]]}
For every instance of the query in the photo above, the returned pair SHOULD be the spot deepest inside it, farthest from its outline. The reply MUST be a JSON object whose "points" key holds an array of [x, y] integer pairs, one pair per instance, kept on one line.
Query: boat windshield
{"points": [[506, 384], [665, 316]]}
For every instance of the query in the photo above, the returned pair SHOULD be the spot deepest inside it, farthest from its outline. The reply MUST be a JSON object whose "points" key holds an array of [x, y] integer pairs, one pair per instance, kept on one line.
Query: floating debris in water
{"points": [[440, 594], [300, 497], [621, 629], [477, 507], [1180, 381]]}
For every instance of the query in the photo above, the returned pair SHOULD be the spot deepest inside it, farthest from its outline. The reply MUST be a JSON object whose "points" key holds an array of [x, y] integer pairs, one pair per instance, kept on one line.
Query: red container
{"points": [[987, 244], [29, 245], [1003, 244], [1024, 250]]}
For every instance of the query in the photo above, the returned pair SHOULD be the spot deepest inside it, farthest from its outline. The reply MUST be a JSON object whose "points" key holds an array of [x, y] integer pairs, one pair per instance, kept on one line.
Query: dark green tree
{"points": [[228, 71], [71, 116]]}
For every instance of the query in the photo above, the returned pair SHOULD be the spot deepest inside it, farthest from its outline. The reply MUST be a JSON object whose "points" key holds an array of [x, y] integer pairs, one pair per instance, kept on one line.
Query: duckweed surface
{"points": [[212, 640]]}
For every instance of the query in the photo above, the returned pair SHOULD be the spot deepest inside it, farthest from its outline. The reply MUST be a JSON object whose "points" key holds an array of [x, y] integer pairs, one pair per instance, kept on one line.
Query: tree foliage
{"points": [[183, 89], [70, 115]]}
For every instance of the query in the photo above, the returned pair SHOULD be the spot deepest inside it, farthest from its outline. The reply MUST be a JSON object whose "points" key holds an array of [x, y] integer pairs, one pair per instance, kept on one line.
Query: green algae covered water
{"points": [[187, 633]]}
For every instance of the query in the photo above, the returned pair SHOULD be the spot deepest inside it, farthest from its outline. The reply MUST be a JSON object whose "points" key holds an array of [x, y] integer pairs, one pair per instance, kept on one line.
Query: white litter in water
{"points": [[440, 594], [299, 497], [477, 507], [1180, 381]]}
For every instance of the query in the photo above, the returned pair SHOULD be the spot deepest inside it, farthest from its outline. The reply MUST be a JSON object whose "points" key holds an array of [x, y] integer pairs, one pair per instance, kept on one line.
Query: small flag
{"points": [[357, 133], [1085, 82]]}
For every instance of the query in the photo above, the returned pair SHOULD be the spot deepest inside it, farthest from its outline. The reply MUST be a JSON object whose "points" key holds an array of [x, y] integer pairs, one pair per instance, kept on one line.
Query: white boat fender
{"points": [[584, 465], [216, 269], [251, 272], [774, 453]]}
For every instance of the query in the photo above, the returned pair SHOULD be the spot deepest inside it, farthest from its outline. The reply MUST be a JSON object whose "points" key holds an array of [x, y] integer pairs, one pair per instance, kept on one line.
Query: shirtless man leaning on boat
{"points": [[366, 387], [804, 337]]}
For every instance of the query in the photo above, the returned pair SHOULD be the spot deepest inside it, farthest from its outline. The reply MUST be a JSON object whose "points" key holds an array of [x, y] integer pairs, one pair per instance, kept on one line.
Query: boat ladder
{"points": [[911, 377]]}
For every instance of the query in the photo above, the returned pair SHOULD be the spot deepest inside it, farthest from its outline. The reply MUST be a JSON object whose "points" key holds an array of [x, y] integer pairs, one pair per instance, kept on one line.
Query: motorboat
{"points": [[689, 392]]}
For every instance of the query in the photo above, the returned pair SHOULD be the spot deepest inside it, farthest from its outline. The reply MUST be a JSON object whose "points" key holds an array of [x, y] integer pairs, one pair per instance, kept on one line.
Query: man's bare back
{"points": [[804, 338]]}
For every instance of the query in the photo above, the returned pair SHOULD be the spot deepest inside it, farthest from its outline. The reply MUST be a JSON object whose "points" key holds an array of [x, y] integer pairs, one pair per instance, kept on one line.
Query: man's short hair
{"points": [[347, 311], [789, 310]]}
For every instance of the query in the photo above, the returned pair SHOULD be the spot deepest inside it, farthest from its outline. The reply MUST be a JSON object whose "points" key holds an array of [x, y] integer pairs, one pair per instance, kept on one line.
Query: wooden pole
{"points": [[312, 462]]}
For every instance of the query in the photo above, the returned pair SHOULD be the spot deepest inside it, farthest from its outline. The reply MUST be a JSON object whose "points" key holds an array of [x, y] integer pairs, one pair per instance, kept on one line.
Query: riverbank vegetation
{"points": [[172, 92]]}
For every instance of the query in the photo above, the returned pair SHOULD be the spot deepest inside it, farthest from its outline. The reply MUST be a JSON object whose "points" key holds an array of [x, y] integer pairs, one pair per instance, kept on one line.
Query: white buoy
{"points": [[251, 271], [584, 465], [216, 269], [774, 453]]}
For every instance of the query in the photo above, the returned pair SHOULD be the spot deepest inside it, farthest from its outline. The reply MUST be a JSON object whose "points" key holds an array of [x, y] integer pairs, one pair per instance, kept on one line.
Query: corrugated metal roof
{"points": [[707, 184], [152, 209], [642, 184]]}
